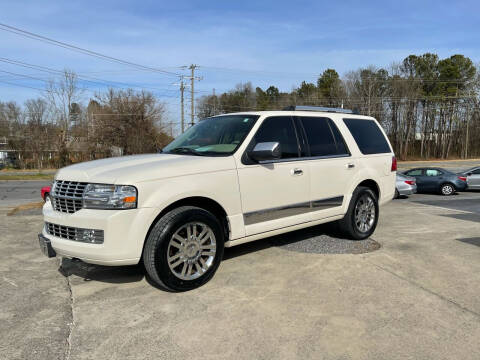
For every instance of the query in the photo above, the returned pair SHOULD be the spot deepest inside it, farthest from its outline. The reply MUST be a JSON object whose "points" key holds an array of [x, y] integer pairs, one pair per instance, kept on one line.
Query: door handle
{"points": [[350, 166], [297, 172]]}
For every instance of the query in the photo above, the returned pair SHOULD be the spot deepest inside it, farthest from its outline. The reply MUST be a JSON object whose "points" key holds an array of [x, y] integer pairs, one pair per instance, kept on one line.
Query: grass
{"points": [[30, 206], [26, 177]]}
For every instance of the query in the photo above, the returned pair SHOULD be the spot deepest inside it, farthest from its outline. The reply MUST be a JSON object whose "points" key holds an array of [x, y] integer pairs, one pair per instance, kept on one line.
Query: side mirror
{"points": [[265, 151]]}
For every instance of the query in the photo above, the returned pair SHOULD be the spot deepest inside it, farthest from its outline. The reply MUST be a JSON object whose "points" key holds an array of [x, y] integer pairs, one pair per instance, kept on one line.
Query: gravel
{"points": [[322, 240]]}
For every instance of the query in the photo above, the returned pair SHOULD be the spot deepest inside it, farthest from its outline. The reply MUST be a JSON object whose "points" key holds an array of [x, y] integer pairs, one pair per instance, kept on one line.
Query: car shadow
{"points": [[136, 273], [107, 274], [283, 239]]}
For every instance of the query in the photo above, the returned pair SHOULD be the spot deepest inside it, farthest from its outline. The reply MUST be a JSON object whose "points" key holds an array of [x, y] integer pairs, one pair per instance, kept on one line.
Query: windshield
{"points": [[220, 135]]}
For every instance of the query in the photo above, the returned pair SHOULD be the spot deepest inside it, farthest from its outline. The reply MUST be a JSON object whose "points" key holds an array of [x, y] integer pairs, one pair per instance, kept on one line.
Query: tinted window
{"points": [[279, 129], [433, 172], [319, 136], [417, 172], [369, 137], [341, 146], [476, 172]]}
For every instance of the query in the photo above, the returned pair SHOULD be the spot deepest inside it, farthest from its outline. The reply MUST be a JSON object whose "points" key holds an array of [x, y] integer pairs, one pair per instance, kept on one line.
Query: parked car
{"points": [[473, 178], [45, 193], [437, 180], [228, 180], [405, 185]]}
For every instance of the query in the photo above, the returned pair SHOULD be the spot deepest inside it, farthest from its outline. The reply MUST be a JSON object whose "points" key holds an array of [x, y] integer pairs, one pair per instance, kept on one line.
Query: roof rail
{"points": [[318, 108]]}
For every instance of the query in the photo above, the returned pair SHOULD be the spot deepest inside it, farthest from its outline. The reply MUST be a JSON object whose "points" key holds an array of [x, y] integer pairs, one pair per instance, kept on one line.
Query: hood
{"points": [[129, 170]]}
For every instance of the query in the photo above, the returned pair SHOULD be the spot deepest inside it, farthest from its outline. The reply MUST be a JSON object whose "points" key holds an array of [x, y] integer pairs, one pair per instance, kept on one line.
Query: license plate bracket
{"points": [[46, 246]]}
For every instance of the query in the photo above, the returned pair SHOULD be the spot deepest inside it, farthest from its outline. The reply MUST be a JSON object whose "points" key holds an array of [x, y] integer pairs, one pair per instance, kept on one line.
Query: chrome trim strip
{"points": [[327, 203], [259, 216], [275, 213]]}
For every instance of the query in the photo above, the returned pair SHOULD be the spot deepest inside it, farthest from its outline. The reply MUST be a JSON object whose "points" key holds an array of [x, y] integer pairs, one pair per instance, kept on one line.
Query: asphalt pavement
{"points": [[17, 192]]}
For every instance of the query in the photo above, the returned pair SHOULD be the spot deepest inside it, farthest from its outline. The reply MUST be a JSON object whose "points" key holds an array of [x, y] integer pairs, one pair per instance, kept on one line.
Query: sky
{"points": [[277, 43]]}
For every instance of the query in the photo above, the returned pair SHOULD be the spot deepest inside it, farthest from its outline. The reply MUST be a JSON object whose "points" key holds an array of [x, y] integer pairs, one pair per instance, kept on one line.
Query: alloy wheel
{"points": [[447, 189], [364, 213], [191, 250]]}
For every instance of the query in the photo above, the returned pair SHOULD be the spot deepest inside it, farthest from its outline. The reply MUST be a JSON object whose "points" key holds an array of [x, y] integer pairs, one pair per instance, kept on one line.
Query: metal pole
{"points": [[182, 88], [192, 92]]}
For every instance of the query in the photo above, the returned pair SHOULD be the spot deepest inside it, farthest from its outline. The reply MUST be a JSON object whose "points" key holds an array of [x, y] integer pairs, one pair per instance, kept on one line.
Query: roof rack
{"points": [[318, 108]]}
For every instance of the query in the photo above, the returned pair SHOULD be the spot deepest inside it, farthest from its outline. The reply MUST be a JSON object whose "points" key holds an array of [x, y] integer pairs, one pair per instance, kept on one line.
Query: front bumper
{"points": [[124, 234]]}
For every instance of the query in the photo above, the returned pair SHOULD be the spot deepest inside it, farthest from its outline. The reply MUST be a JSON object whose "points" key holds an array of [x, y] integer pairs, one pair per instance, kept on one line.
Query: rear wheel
{"points": [[447, 189], [397, 194], [361, 218], [184, 249]]}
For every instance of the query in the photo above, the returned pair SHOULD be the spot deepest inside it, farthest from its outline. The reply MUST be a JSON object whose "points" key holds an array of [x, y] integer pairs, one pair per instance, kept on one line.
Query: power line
{"points": [[84, 51], [88, 79]]}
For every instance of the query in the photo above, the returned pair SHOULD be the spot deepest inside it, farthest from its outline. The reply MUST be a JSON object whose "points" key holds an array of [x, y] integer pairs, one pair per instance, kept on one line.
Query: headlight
{"points": [[104, 196]]}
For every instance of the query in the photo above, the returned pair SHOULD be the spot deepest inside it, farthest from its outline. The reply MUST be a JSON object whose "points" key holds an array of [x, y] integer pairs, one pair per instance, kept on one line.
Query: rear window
{"points": [[369, 137]]}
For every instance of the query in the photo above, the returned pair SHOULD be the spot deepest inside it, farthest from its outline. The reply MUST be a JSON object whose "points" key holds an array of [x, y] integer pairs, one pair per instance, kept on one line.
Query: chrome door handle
{"points": [[350, 166], [297, 172]]}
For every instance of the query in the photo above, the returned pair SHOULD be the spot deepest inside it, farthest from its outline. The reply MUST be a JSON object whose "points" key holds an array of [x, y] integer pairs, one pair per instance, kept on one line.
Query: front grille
{"points": [[92, 236], [67, 196]]}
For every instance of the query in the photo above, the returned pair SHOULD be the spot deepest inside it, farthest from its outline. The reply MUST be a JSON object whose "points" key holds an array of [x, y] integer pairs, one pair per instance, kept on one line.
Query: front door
{"points": [[275, 194], [420, 179]]}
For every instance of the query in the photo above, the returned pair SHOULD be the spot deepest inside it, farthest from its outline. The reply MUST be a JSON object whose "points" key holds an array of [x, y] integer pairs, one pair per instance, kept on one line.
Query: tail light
{"points": [[463, 178], [410, 182], [394, 163]]}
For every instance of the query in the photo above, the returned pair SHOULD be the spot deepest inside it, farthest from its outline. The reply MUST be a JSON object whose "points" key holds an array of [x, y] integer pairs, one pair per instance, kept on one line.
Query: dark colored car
{"points": [[437, 180]]}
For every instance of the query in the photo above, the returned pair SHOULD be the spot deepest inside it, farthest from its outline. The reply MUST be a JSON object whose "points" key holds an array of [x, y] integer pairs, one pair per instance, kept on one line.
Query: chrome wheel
{"points": [[447, 189], [364, 213], [191, 251]]}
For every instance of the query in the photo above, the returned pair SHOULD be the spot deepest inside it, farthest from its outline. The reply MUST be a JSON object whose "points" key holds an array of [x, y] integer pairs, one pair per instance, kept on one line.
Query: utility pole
{"points": [[192, 92], [214, 103], [192, 89], [182, 89]]}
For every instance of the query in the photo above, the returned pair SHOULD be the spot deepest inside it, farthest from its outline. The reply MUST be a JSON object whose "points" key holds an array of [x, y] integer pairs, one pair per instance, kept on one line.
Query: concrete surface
{"points": [[417, 297]]}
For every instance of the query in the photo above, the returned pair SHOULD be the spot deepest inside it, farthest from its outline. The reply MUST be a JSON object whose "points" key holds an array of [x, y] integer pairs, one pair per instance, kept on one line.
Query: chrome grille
{"points": [[92, 236], [67, 196]]}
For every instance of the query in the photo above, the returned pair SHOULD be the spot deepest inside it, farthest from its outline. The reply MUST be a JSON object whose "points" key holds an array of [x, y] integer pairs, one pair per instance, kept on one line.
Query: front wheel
{"points": [[447, 189], [361, 218], [184, 249]]}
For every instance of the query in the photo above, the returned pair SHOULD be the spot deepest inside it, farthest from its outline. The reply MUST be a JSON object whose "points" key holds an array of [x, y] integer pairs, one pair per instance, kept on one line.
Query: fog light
{"points": [[91, 236]]}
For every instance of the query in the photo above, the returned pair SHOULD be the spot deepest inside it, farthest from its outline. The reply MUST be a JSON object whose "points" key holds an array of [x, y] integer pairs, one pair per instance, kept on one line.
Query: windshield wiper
{"points": [[184, 150]]}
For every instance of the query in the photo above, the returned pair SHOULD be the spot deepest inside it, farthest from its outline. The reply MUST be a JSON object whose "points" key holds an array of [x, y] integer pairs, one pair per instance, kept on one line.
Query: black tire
{"points": [[397, 194], [447, 189], [157, 244], [348, 224]]}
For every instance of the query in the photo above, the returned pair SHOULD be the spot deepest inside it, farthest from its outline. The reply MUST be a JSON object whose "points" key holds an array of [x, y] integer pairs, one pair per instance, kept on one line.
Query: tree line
{"points": [[57, 128], [428, 106]]}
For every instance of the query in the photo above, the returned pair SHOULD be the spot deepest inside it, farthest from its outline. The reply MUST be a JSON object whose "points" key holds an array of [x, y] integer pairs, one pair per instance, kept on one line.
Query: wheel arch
{"points": [[202, 202], [372, 185]]}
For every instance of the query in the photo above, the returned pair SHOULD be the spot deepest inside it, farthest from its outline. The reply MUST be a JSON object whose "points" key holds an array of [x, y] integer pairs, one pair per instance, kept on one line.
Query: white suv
{"points": [[228, 180]]}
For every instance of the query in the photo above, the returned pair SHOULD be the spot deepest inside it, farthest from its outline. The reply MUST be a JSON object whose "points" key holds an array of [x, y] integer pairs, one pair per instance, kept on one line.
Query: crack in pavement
{"points": [[426, 290], [71, 324]]}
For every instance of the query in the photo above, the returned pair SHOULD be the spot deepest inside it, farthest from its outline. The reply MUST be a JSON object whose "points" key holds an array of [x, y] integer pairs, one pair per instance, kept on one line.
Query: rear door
{"points": [[473, 180], [330, 164]]}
